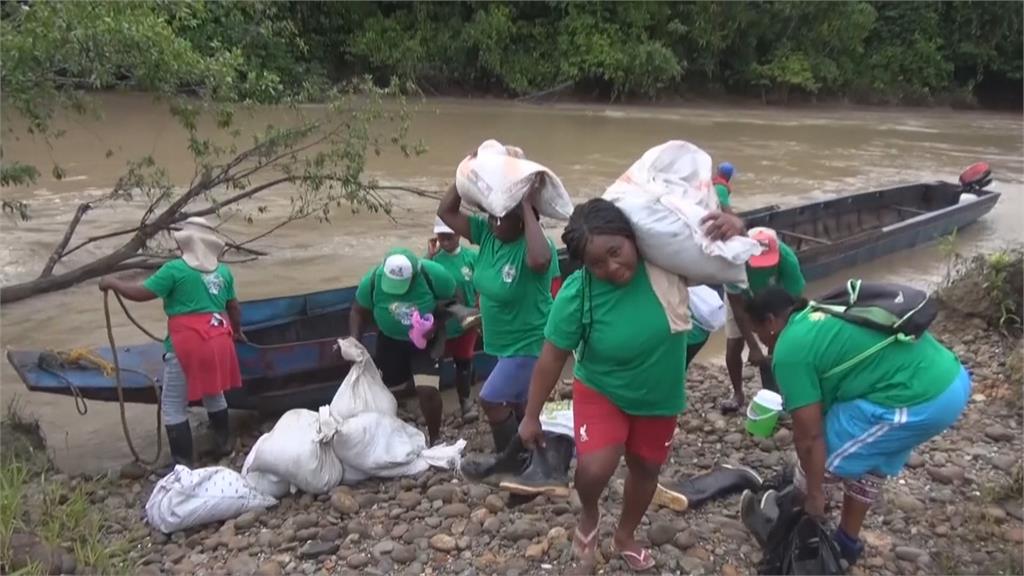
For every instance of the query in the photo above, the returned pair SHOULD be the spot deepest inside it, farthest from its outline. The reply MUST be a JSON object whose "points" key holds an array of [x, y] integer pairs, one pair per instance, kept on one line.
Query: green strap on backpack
{"points": [[903, 312]]}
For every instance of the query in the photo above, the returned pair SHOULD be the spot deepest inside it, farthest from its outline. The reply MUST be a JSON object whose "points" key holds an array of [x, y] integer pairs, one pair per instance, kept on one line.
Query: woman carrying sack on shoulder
{"points": [[200, 361], [859, 405], [392, 294], [630, 370], [515, 267]]}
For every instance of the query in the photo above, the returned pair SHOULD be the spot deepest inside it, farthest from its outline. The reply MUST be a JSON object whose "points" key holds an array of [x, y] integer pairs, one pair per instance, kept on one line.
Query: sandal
{"points": [[584, 547], [641, 562]]}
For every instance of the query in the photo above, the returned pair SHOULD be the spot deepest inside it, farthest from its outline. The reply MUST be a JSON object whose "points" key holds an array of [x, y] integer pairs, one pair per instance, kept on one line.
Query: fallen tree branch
{"points": [[58, 252], [410, 189]]}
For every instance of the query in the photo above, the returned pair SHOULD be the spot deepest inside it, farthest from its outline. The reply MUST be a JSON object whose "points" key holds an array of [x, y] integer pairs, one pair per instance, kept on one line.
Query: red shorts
{"points": [[461, 348], [600, 424]]}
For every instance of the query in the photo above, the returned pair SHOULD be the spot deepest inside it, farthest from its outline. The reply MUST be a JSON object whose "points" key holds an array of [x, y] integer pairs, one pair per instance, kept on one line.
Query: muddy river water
{"points": [[782, 156]]}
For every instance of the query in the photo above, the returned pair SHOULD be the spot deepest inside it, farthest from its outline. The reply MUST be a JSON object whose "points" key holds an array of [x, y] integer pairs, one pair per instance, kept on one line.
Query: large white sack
{"points": [[377, 444], [665, 194], [707, 307], [362, 390], [497, 179], [298, 450], [263, 482], [444, 456], [556, 417], [186, 498]]}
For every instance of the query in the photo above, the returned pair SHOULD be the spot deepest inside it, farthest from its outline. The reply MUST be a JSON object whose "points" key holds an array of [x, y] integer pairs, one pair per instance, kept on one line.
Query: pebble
{"points": [[1014, 535], [409, 500], [537, 551], [443, 543], [999, 433], [946, 474], [442, 492], [907, 503], [344, 503], [454, 510], [522, 530], [783, 438], [909, 554], [316, 549], [330, 533], [733, 439], [246, 521], [270, 568], [357, 561], [304, 521], [661, 533], [383, 548], [915, 461], [494, 503], [404, 554], [685, 540], [1004, 463], [242, 564]]}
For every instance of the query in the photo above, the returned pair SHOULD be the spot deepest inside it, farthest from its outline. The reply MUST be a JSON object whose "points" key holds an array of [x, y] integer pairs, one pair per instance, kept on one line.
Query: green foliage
{"points": [[881, 51]]}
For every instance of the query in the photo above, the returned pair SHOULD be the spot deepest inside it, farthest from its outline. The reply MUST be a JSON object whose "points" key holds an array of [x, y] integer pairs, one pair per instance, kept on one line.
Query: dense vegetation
{"points": [[873, 52]]}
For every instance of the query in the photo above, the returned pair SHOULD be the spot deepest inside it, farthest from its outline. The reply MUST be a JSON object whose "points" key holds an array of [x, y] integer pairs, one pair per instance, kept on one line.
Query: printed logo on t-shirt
{"points": [[508, 273], [467, 273], [214, 282], [402, 312], [816, 316]]}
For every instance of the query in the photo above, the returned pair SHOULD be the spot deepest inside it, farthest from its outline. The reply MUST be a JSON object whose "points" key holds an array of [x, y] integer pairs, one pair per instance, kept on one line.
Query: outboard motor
{"points": [[975, 178]]}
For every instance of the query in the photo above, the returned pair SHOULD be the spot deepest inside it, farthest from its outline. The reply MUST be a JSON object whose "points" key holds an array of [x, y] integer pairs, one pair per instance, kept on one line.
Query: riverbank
{"points": [[956, 509]]}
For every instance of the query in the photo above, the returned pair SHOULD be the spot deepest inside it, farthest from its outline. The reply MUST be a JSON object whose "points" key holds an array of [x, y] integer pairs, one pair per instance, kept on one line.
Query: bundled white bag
{"points": [[383, 446], [498, 177], [707, 307], [377, 444], [556, 417], [298, 450], [665, 194], [186, 498], [263, 482], [362, 390]]}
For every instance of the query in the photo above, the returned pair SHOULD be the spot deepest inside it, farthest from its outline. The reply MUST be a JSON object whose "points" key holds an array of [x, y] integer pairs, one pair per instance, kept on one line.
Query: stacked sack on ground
{"points": [[358, 436]]}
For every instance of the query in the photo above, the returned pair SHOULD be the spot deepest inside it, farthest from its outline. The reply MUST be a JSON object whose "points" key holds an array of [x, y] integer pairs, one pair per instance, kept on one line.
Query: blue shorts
{"points": [[509, 382], [863, 437]]}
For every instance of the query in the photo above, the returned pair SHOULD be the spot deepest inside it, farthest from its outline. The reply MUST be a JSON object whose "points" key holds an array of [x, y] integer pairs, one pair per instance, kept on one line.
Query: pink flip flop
{"points": [[584, 546], [641, 562]]}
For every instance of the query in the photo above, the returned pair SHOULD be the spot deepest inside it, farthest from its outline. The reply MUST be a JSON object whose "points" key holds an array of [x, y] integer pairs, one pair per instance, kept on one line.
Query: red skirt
{"points": [[205, 347]]}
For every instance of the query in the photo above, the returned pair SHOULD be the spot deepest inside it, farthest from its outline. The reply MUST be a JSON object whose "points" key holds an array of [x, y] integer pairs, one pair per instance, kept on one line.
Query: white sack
{"points": [[444, 456], [556, 417], [665, 194], [362, 390], [708, 308], [298, 450], [186, 498], [498, 177], [263, 482], [377, 443]]}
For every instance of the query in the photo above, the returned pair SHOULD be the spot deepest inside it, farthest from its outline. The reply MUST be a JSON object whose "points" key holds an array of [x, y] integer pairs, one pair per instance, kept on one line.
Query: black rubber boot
{"points": [[492, 468], [504, 432], [720, 482], [179, 439], [548, 472], [759, 513], [223, 443]]}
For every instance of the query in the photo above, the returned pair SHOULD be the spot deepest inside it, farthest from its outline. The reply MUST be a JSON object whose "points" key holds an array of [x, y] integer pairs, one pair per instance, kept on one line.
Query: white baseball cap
{"points": [[440, 227], [398, 272]]}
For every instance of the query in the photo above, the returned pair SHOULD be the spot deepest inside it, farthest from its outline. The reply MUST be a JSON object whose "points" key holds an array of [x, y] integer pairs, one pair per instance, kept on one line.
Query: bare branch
{"points": [[92, 239], [273, 229], [58, 252], [241, 248], [212, 209], [410, 189]]}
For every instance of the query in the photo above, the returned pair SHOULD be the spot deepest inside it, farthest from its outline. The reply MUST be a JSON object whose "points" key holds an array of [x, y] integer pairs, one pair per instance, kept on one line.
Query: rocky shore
{"points": [[956, 509]]}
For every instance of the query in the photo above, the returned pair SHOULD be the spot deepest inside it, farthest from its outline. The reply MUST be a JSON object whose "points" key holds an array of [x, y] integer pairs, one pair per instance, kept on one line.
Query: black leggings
{"points": [[692, 350]]}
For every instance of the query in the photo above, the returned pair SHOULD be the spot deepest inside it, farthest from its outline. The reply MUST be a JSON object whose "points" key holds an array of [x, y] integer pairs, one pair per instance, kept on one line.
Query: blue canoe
{"points": [[291, 362]]}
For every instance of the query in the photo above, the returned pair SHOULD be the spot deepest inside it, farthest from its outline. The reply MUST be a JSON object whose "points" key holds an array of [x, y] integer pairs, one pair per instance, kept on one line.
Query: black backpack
{"points": [[798, 543], [901, 311]]}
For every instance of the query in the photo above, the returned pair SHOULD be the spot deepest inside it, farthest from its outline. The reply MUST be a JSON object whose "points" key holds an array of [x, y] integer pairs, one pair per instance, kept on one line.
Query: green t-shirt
{"points": [[460, 265], [186, 290], [786, 274], [393, 314], [514, 300], [723, 196], [629, 353], [697, 333], [899, 375]]}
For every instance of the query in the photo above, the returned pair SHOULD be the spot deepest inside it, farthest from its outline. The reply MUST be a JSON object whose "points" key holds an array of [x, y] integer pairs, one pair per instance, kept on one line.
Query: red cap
{"points": [[769, 242]]}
